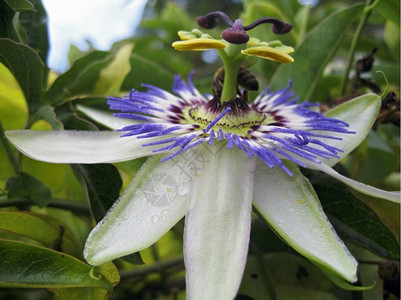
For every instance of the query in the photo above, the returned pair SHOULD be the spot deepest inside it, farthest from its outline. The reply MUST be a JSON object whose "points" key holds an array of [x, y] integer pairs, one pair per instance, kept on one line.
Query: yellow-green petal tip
{"points": [[198, 44], [269, 53]]}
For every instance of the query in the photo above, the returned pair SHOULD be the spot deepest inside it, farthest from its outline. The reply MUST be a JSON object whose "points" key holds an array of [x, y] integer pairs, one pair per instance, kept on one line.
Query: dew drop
{"points": [[154, 219]]}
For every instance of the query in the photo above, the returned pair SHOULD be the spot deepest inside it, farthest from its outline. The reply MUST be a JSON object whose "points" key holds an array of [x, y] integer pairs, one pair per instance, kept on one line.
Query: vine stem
{"points": [[365, 16], [155, 267], [11, 157], [73, 206]]}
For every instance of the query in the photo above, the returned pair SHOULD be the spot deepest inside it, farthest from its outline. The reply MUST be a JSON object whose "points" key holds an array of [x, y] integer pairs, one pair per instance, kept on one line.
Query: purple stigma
{"points": [[236, 33]]}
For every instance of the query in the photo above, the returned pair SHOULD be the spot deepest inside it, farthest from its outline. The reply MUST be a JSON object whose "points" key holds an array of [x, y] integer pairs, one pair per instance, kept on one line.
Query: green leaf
{"points": [[108, 270], [45, 229], [380, 161], [13, 108], [390, 10], [392, 72], [260, 9], [28, 266], [26, 186], [80, 79], [68, 115], [112, 77], [47, 113], [27, 67], [7, 28], [288, 277], [80, 293], [144, 70], [353, 218], [34, 26], [20, 5], [316, 51], [392, 40], [102, 184]]}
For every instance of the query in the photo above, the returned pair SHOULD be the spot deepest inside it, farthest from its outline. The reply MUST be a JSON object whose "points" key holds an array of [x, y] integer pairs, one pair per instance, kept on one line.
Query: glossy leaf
{"points": [[392, 39], [390, 10], [255, 10], [34, 27], [102, 184], [47, 114], [7, 28], [109, 271], [27, 67], [71, 120], [28, 266], [20, 5], [112, 76], [13, 108], [25, 185], [147, 71], [45, 229], [380, 160], [81, 78], [316, 51]]}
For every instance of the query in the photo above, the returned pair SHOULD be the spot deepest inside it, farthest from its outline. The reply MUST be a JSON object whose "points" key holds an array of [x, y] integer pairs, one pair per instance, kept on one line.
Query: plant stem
{"points": [[11, 157], [365, 16], [156, 267], [232, 59], [75, 207]]}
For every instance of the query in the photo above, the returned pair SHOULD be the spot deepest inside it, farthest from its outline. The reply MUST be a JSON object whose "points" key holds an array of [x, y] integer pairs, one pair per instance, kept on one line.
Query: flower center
{"points": [[238, 123]]}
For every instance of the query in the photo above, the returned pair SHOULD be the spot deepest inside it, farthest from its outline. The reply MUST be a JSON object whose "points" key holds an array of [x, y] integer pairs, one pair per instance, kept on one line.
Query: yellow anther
{"points": [[270, 53], [199, 44]]}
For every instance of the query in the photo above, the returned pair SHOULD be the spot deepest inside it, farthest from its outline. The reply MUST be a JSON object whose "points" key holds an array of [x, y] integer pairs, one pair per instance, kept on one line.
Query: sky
{"points": [[102, 22]]}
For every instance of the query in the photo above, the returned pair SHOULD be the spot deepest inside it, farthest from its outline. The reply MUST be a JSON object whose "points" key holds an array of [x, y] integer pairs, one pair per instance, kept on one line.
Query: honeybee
{"points": [[245, 79]]}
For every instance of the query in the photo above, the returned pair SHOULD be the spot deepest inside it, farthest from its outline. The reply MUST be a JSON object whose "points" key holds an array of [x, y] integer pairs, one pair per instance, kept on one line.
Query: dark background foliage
{"points": [[47, 211]]}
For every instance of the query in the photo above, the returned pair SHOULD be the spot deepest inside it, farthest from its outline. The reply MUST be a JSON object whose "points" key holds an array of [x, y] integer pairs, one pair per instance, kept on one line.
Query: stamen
{"points": [[217, 119], [236, 33], [273, 128], [194, 144], [210, 20], [278, 27], [211, 138], [229, 140], [221, 135]]}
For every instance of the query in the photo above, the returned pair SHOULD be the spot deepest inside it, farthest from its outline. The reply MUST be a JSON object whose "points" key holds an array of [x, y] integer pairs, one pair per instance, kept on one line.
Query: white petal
{"points": [[290, 206], [105, 118], [360, 113], [217, 225], [153, 203], [68, 146], [358, 186]]}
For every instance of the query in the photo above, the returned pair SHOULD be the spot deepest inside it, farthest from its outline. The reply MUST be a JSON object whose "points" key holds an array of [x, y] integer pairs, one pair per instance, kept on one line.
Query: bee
{"points": [[246, 79]]}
